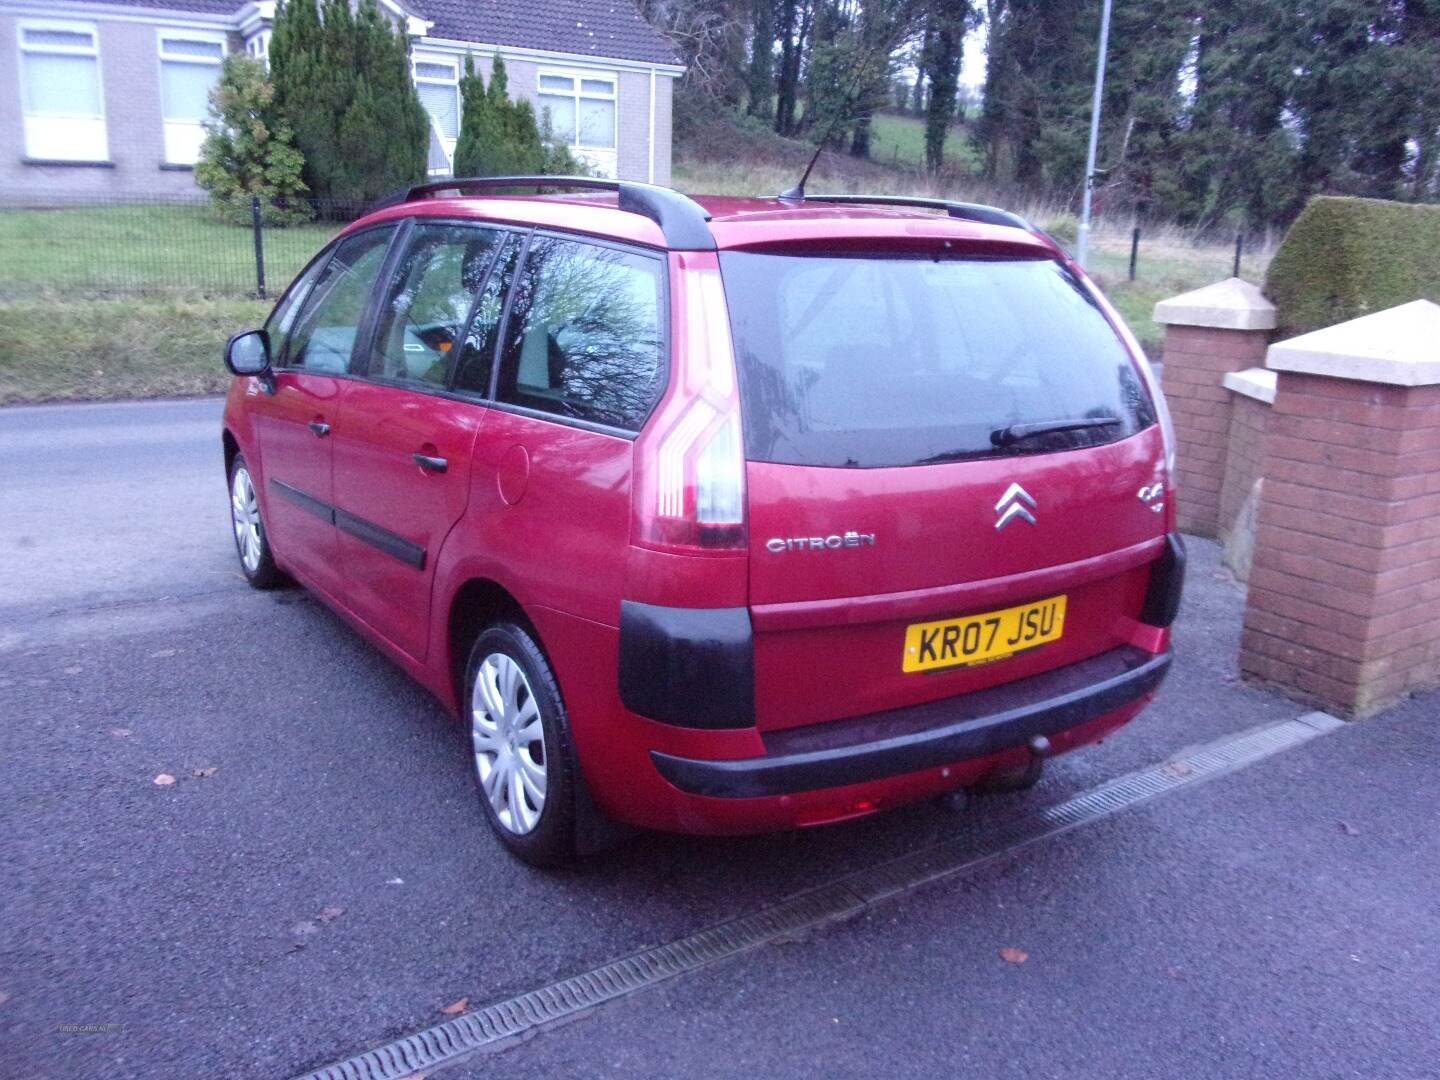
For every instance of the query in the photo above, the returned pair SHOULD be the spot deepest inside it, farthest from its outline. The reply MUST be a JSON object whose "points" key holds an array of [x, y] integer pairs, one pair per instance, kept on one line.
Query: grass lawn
{"points": [[131, 301], [137, 301], [58, 350], [154, 248]]}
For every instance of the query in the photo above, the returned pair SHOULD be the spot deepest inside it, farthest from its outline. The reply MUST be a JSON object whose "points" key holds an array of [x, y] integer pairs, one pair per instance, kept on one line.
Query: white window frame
{"points": [[182, 138], [603, 159], [258, 46], [62, 138], [453, 63]]}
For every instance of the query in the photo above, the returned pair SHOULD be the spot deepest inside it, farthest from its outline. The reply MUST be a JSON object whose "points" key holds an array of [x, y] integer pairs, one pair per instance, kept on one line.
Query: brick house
{"points": [[108, 96]]}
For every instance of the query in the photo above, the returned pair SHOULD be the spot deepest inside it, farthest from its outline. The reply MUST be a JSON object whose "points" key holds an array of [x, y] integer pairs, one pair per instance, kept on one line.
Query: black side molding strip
{"points": [[368, 532], [381, 539], [306, 502], [925, 736]]}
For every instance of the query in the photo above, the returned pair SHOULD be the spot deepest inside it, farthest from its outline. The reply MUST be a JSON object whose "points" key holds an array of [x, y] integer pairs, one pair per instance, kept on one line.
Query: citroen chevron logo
{"points": [[1012, 506]]}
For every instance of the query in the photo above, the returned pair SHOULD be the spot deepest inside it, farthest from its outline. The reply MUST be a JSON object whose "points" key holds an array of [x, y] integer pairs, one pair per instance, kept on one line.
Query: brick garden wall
{"points": [[1196, 360], [1243, 456], [1345, 591]]}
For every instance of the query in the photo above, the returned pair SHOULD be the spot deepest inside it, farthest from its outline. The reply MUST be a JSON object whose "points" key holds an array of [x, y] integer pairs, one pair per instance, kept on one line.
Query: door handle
{"points": [[430, 464], [319, 427]]}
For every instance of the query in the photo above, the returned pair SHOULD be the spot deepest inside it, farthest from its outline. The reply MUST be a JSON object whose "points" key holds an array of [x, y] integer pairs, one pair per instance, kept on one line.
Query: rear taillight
{"points": [[690, 459]]}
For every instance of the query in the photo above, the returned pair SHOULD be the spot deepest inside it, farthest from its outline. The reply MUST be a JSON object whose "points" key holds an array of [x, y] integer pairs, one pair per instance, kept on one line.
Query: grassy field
{"points": [[137, 301], [900, 141]]}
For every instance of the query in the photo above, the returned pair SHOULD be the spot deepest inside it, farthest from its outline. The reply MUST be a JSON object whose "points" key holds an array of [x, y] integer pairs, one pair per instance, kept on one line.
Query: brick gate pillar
{"points": [[1344, 598], [1218, 329]]}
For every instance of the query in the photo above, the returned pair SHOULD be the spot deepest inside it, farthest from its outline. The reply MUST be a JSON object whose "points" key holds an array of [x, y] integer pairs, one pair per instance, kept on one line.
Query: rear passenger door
{"points": [[581, 364], [402, 458]]}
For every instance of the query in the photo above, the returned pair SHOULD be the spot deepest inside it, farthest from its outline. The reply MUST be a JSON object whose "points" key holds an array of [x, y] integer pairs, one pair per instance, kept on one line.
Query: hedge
{"points": [[1347, 257]]}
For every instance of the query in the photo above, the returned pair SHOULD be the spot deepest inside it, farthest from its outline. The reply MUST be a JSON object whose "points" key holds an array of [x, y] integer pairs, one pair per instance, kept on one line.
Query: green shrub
{"points": [[1347, 257], [1065, 228], [249, 150]]}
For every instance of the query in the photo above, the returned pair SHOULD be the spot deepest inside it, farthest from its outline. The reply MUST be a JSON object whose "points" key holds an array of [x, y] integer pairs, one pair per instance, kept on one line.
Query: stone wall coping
{"points": [[1399, 346], [1231, 304], [1255, 382]]}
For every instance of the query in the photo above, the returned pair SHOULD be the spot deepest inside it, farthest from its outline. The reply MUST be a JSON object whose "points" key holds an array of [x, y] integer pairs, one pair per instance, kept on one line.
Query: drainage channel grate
{"points": [[506, 1020]]}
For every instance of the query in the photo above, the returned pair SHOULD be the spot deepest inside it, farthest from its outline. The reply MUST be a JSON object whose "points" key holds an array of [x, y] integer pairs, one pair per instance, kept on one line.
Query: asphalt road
{"points": [[331, 884]]}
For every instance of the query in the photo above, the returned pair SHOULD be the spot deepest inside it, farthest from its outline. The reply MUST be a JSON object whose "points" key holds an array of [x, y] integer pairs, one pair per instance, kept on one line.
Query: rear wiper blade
{"points": [[1007, 436]]}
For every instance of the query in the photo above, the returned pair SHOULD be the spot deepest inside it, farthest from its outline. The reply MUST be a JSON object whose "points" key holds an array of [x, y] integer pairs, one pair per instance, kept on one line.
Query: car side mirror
{"points": [[248, 353]]}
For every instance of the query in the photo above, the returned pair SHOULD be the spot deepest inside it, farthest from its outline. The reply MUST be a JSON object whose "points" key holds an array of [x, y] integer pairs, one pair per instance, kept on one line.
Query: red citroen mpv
{"points": [[716, 515]]}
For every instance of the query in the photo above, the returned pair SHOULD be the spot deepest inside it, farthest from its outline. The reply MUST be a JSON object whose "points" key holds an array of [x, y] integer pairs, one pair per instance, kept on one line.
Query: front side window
{"points": [[872, 361], [582, 110], [584, 335], [323, 336], [189, 70], [60, 89], [437, 80], [427, 307]]}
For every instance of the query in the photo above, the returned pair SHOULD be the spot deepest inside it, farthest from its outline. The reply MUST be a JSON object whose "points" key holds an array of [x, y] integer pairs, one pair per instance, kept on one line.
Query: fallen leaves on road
{"points": [[1179, 768], [395, 881], [74, 669], [1014, 956], [120, 732], [160, 654], [208, 770], [1348, 829], [4, 997], [164, 779], [455, 1008], [330, 914]]}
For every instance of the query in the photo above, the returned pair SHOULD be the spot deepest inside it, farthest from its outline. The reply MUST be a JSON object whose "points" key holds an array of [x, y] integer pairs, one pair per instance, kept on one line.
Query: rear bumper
{"points": [[900, 741]]}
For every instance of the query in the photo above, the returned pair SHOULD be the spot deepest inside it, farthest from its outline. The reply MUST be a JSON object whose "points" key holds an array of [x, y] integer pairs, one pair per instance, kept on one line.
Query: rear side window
{"points": [[583, 339], [870, 362], [428, 301], [477, 355]]}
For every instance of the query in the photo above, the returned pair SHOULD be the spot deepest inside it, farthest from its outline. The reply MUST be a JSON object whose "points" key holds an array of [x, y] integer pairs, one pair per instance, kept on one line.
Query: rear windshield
{"points": [[869, 362]]}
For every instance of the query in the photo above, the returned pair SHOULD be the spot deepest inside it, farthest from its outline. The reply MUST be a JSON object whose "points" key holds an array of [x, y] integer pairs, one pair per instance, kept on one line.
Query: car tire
{"points": [[252, 544], [512, 706]]}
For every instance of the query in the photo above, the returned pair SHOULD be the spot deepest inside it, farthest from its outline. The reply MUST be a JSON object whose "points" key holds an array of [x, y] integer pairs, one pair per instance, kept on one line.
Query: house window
{"points": [[189, 70], [259, 46], [581, 108], [60, 90], [437, 79]]}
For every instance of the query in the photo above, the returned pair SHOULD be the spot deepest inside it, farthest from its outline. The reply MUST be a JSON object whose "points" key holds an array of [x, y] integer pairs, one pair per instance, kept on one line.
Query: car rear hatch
{"points": [[954, 476]]}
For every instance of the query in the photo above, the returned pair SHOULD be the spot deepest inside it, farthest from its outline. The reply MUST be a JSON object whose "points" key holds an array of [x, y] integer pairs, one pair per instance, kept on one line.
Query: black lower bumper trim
{"points": [[925, 736]]}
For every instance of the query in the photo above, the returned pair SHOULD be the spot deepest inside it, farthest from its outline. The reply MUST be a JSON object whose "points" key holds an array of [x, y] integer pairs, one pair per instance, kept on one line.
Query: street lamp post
{"points": [[1082, 234]]}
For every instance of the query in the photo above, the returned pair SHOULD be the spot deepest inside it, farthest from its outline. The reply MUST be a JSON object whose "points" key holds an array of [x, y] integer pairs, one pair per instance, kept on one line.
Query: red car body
{"points": [[546, 521]]}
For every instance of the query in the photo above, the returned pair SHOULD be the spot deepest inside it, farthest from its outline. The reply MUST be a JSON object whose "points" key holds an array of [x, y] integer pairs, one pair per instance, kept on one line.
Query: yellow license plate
{"points": [[977, 639]]}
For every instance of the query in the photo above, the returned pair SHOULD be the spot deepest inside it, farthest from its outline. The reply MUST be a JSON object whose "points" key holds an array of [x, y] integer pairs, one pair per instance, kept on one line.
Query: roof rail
{"points": [[682, 220], [988, 215]]}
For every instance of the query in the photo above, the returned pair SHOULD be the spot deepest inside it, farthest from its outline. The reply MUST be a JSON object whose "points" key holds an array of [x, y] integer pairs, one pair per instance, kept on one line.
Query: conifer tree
{"points": [[342, 80]]}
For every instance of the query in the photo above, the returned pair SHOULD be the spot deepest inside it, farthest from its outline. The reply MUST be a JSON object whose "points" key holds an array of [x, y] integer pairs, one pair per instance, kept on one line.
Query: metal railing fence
{"points": [[76, 246]]}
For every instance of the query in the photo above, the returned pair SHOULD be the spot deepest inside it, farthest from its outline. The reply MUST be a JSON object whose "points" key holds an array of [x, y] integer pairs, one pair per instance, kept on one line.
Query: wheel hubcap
{"points": [[509, 742], [245, 514]]}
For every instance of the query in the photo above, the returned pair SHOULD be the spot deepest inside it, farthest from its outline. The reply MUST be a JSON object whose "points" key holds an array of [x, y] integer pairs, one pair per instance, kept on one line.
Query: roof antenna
{"points": [[798, 191]]}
